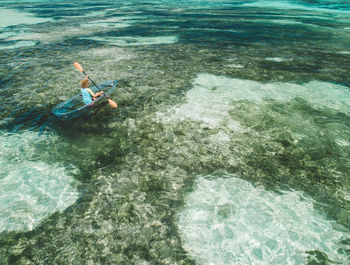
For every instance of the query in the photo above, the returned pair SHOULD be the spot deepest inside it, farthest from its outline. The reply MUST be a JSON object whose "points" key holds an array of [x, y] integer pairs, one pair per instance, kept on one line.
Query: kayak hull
{"points": [[74, 107]]}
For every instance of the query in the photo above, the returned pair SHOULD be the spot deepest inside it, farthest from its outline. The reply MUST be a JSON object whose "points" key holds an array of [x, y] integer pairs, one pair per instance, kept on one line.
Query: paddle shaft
{"points": [[111, 102], [95, 84]]}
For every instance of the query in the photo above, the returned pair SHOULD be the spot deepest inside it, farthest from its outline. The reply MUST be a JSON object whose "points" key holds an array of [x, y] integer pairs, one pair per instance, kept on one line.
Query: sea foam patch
{"points": [[229, 221], [31, 189], [276, 59]]}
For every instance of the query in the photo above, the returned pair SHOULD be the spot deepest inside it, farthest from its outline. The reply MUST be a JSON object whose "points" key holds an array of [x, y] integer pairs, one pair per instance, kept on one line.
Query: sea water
{"points": [[30, 188], [226, 220], [230, 144]]}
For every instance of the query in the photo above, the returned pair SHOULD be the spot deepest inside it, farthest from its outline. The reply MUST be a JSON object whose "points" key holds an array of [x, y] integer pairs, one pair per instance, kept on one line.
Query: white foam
{"points": [[282, 21], [229, 221], [31, 189], [276, 59]]}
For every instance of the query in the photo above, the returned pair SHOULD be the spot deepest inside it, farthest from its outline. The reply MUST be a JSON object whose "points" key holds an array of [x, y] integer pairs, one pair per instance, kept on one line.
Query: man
{"points": [[86, 92]]}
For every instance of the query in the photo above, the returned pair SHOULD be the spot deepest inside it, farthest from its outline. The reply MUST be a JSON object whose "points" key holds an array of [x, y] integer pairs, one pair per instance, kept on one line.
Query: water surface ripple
{"points": [[243, 104]]}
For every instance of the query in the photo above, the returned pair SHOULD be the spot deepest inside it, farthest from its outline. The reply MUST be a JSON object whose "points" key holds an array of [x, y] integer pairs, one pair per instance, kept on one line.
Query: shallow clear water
{"points": [[226, 220], [31, 189], [230, 145]]}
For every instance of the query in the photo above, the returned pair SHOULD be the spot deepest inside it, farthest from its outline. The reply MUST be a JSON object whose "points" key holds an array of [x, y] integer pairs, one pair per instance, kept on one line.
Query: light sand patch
{"points": [[229, 221], [12, 17]]}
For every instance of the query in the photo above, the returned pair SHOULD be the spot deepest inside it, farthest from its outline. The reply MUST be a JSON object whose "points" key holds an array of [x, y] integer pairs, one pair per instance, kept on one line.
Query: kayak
{"points": [[74, 107]]}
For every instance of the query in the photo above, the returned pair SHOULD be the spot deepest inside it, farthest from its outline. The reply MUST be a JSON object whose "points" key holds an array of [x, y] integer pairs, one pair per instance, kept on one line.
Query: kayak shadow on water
{"points": [[41, 119], [34, 119], [93, 116]]}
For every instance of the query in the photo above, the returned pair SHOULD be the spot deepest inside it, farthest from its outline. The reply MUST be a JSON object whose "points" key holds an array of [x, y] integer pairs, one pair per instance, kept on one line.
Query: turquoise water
{"points": [[230, 144]]}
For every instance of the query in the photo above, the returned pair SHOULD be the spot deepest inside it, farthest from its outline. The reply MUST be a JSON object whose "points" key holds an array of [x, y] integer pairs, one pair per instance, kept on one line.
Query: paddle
{"points": [[111, 102]]}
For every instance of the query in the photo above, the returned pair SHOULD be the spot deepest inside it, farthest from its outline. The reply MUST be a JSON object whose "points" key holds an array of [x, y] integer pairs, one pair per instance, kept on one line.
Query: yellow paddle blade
{"points": [[78, 66], [112, 103]]}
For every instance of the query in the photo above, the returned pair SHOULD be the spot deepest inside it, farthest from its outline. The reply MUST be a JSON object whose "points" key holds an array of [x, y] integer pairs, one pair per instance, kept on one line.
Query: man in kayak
{"points": [[86, 92]]}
